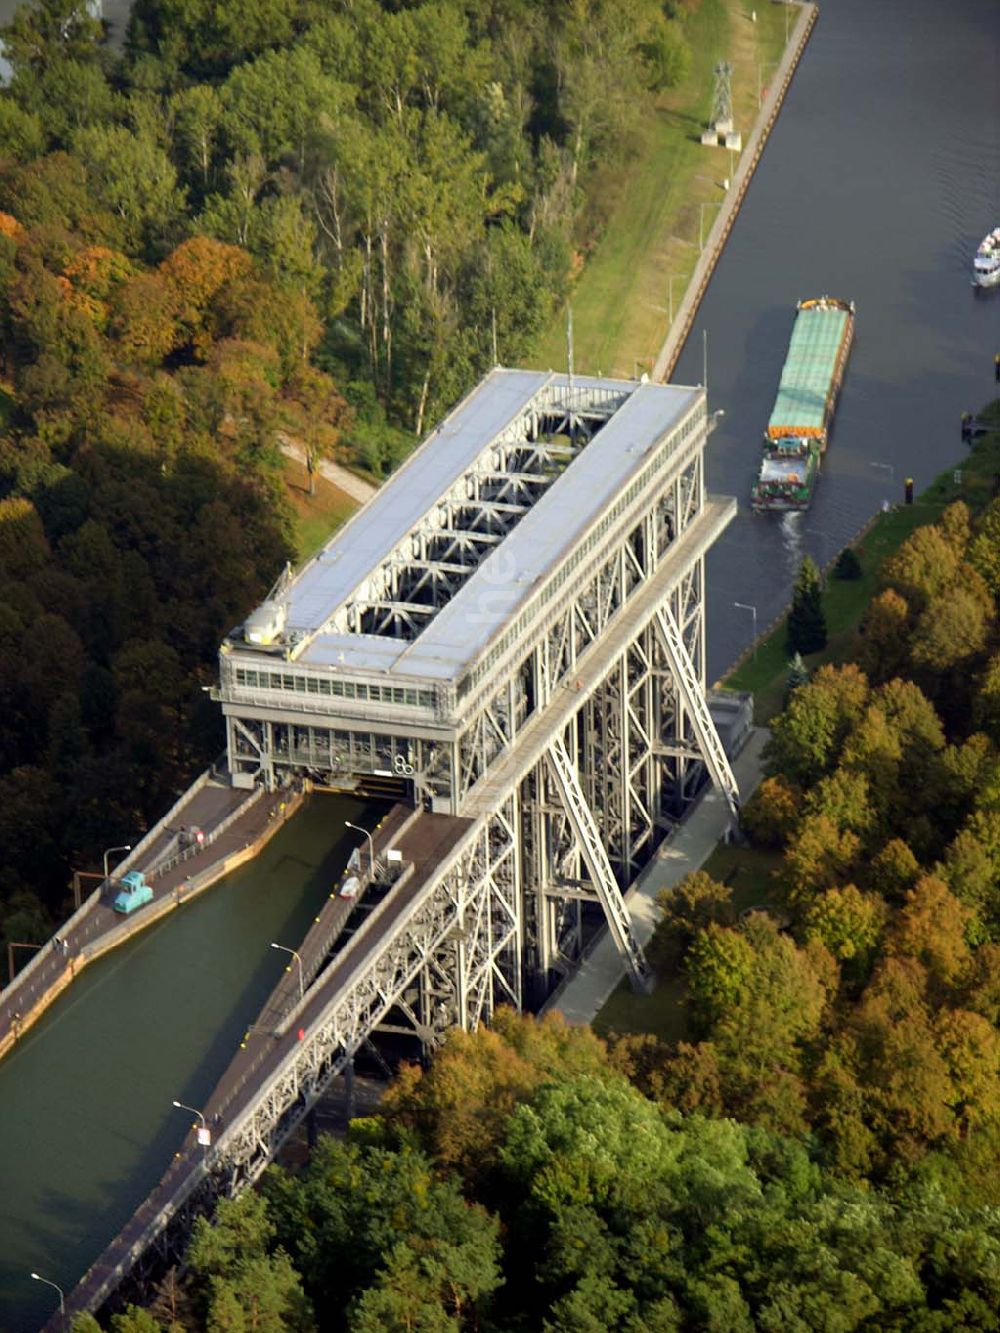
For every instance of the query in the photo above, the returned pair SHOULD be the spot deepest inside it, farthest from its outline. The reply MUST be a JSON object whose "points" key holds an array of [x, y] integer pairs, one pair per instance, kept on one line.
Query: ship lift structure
{"points": [[511, 630], [509, 637]]}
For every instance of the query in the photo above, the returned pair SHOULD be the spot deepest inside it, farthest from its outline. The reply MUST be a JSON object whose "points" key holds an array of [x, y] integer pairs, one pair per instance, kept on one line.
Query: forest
{"points": [[524, 1182], [316, 219]]}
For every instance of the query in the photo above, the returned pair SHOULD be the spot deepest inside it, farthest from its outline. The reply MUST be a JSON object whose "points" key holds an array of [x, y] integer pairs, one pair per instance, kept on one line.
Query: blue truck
{"points": [[134, 892]]}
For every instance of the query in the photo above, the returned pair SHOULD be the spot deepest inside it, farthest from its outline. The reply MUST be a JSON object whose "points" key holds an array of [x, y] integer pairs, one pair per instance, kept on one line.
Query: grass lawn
{"points": [[750, 874], [663, 1013], [621, 299], [316, 516]]}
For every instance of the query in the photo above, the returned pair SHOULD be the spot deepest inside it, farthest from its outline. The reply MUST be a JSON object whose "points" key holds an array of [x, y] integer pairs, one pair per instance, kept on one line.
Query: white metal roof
{"points": [[556, 522]]}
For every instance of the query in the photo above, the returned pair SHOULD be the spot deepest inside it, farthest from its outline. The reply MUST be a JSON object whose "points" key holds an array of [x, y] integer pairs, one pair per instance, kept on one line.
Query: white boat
{"points": [[986, 265]]}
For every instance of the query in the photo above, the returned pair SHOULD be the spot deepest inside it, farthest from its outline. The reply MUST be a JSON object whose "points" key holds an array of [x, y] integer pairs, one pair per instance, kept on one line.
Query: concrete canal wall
{"points": [[751, 155], [240, 836]]}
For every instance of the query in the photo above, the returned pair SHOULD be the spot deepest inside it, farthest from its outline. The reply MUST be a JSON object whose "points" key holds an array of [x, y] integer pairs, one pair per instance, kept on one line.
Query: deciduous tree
{"points": [[883, 647], [771, 813], [821, 857], [807, 738]]}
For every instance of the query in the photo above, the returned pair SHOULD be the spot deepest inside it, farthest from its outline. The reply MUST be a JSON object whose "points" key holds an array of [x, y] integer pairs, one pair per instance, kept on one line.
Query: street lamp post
{"points": [[371, 844], [62, 1299], [204, 1135], [183, 1106], [746, 606], [125, 847], [285, 949]]}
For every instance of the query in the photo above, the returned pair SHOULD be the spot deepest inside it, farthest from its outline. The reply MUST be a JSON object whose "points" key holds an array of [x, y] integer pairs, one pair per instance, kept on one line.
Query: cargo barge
{"points": [[797, 431]]}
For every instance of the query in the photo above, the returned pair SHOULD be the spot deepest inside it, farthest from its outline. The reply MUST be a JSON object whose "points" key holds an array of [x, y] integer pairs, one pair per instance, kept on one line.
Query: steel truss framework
{"points": [[583, 745], [403, 593], [641, 744]]}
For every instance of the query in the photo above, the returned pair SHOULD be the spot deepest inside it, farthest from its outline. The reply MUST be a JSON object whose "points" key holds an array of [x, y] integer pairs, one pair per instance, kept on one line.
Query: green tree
{"points": [[798, 674], [925, 566], [205, 38], [271, 106], [883, 649], [65, 97], [820, 857], [893, 870], [779, 1002], [684, 911], [197, 113], [134, 179], [844, 798], [49, 32], [950, 634], [246, 1286], [431, 1285], [971, 869], [984, 549], [807, 619], [986, 708], [849, 923], [806, 740], [407, 1233], [458, 1106], [848, 565], [20, 131], [718, 964]]}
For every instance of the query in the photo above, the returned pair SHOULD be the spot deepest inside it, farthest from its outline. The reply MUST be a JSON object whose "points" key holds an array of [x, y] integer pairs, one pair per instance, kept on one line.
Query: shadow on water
{"points": [[86, 1121]]}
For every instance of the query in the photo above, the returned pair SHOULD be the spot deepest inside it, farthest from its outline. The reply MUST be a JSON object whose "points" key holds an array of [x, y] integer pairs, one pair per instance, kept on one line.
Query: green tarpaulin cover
{"points": [[809, 367]]}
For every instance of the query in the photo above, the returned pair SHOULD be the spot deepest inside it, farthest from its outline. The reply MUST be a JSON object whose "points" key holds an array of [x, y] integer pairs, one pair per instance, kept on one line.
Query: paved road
{"points": [[335, 474], [587, 990], [207, 809]]}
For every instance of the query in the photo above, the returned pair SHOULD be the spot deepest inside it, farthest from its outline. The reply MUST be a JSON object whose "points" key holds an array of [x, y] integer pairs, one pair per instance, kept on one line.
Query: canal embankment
{"points": [[739, 184], [235, 825], [86, 1097], [762, 667]]}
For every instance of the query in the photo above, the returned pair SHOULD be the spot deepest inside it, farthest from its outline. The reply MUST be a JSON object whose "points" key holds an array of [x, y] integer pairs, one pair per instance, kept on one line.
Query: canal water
{"points": [[881, 176], [86, 1122]]}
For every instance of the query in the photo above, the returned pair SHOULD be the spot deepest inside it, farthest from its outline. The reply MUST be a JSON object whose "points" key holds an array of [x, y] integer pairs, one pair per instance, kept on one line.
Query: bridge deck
{"points": [[211, 806], [424, 842], [327, 928]]}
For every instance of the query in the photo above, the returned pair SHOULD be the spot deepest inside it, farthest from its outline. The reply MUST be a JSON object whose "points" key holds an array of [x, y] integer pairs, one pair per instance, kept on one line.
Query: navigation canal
{"points": [[880, 177], [86, 1122]]}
